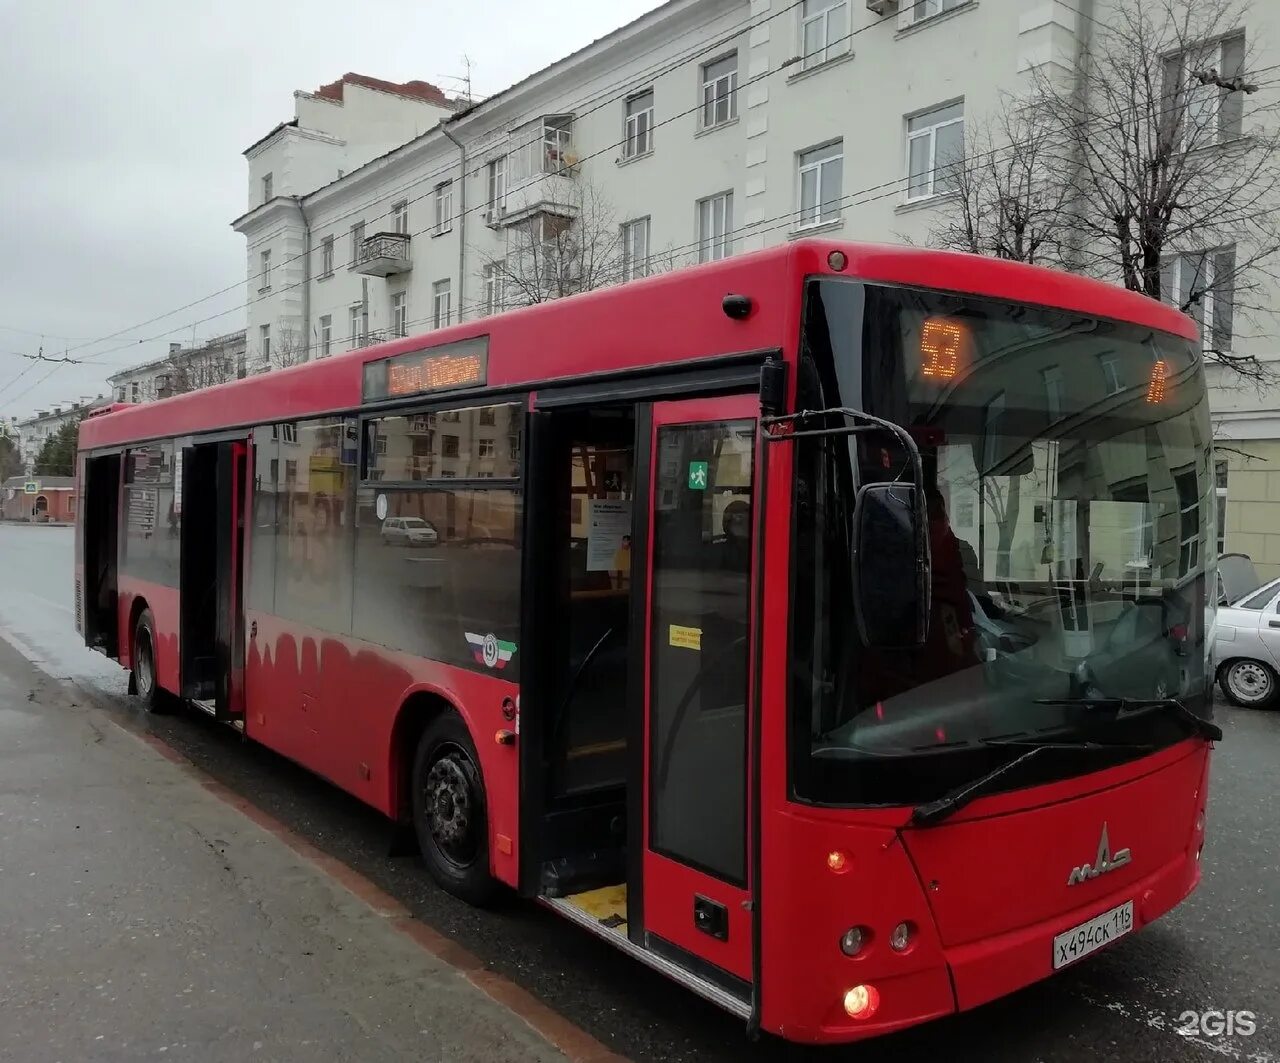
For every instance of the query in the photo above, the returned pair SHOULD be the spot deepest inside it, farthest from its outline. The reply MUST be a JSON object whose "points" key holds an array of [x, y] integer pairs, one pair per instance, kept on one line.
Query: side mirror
{"points": [[891, 566]]}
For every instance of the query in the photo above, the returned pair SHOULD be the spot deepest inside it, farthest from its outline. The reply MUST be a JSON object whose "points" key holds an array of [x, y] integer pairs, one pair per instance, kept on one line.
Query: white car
{"points": [[1246, 648], [408, 531]]}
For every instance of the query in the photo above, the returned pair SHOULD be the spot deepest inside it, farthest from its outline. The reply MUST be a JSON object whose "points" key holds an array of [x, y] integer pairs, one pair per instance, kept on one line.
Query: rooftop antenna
{"points": [[466, 66]]}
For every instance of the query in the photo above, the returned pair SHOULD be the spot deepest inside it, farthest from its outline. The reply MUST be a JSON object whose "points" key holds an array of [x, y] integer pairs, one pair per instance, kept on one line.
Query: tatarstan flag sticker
{"points": [[490, 650]]}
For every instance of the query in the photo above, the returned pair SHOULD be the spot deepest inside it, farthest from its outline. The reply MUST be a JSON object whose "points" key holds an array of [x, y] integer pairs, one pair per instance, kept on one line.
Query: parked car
{"points": [[409, 531], [1246, 651]]}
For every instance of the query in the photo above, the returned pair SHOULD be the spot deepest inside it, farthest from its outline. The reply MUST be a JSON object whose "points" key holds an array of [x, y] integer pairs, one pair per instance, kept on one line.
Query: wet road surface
{"points": [[1217, 952]]}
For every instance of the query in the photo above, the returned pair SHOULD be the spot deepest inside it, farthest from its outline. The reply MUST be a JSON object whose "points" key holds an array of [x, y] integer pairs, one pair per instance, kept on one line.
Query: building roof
{"points": [[263, 139], [47, 483], [418, 90]]}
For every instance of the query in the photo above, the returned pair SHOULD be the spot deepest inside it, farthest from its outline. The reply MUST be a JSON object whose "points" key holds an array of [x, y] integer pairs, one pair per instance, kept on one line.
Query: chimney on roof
{"points": [[174, 348], [57, 411]]}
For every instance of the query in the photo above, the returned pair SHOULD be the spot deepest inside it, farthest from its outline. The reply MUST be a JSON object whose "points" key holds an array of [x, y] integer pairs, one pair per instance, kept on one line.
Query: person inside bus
{"points": [[735, 553], [950, 644]]}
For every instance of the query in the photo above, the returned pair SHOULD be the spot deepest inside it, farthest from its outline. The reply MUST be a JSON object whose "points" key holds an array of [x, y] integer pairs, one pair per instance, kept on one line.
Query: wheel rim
{"points": [[145, 672], [1249, 681], [449, 798]]}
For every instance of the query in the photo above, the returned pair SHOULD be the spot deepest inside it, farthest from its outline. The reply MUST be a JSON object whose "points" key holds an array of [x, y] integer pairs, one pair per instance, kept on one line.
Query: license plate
{"points": [[1079, 941]]}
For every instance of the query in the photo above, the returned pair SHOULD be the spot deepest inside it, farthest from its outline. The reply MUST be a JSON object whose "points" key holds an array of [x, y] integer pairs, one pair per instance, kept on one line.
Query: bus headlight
{"points": [[854, 938]]}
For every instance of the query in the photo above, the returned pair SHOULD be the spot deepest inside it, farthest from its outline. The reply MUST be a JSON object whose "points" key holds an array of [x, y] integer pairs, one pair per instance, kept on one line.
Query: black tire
{"points": [[450, 814], [144, 680], [1249, 683]]}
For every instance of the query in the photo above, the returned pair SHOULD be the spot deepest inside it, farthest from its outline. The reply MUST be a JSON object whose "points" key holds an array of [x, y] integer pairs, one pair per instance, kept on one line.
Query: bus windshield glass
{"points": [[1069, 488]]}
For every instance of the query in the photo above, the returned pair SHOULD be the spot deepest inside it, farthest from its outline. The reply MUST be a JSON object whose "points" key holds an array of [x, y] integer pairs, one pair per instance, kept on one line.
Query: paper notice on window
{"points": [[685, 638], [608, 525]]}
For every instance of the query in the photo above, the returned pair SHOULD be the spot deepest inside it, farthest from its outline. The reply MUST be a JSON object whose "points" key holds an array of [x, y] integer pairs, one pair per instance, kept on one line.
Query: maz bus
{"points": [[823, 627]]}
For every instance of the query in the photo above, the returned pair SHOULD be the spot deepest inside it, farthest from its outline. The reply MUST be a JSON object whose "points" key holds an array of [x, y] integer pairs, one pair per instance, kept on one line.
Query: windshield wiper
{"points": [[1128, 708], [934, 812]]}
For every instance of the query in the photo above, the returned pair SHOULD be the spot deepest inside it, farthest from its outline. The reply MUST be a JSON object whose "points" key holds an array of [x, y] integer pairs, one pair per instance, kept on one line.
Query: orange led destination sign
{"points": [[449, 367]]}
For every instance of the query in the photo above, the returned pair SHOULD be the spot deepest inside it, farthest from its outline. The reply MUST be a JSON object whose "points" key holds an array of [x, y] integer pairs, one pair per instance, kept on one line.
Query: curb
{"points": [[575, 1043]]}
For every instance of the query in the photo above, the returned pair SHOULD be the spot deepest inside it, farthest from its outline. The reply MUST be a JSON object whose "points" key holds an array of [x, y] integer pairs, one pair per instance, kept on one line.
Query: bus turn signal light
{"points": [[861, 1002], [837, 861]]}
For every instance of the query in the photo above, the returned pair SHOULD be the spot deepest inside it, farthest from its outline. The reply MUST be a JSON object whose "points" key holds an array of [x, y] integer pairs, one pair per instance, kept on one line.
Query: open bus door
{"points": [[99, 530], [698, 696], [210, 507]]}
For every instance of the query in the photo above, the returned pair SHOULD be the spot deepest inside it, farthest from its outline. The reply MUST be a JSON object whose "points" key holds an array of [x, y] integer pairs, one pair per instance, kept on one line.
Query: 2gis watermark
{"points": [[1215, 1023]]}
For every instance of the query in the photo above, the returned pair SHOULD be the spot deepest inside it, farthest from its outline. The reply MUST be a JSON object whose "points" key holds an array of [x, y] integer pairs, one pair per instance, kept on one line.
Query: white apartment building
{"points": [[214, 361], [705, 128], [33, 431]]}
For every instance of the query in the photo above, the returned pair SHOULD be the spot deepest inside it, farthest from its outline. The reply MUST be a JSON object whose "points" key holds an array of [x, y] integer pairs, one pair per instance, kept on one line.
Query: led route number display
{"points": [[449, 367]]}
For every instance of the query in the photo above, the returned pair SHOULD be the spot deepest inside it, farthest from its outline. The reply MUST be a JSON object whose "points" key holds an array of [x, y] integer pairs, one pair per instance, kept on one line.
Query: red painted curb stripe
{"points": [[577, 1045]]}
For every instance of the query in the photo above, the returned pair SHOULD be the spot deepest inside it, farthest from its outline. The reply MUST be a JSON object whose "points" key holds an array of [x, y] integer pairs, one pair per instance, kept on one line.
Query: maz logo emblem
{"points": [[1105, 861]]}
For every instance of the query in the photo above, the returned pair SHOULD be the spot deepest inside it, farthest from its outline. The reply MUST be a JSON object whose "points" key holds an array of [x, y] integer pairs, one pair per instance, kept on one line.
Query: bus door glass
{"points": [[698, 685]]}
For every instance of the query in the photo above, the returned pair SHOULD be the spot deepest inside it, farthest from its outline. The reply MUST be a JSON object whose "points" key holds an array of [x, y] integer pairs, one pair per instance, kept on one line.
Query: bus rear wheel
{"points": [[146, 683], [450, 812]]}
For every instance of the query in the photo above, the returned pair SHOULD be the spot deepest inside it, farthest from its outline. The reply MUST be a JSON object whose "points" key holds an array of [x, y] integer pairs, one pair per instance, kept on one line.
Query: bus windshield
{"points": [[1069, 489]]}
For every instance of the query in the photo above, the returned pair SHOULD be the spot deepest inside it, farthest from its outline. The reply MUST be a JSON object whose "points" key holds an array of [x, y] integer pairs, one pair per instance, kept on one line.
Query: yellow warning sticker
{"points": [[687, 638]]}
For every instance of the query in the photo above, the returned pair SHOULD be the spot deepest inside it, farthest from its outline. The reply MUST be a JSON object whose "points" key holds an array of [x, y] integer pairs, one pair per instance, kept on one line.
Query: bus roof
{"points": [[617, 328]]}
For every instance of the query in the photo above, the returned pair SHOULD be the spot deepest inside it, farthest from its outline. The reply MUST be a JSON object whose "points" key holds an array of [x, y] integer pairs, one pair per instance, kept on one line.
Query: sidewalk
{"points": [[142, 917]]}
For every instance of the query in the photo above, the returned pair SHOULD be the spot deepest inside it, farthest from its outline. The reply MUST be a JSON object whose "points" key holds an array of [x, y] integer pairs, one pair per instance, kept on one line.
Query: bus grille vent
{"points": [[79, 607]]}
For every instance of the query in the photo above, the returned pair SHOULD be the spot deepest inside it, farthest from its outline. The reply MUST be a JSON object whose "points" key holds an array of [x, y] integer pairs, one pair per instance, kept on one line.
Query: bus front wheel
{"points": [[450, 812], [145, 672]]}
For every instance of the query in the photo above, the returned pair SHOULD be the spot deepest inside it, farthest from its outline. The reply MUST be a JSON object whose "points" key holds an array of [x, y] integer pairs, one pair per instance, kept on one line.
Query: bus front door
{"points": [[696, 886]]}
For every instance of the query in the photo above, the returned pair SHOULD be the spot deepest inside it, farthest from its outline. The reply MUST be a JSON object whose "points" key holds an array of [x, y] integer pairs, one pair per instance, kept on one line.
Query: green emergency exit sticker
{"points": [[697, 476]]}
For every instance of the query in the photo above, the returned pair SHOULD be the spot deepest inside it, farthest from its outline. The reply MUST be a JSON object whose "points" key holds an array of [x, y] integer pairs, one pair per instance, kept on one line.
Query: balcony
{"points": [[540, 174], [384, 254]]}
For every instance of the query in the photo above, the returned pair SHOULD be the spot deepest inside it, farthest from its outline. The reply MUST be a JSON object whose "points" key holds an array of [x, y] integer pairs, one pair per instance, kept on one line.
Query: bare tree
{"points": [[202, 367], [1143, 164], [288, 346], [1011, 198], [574, 245]]}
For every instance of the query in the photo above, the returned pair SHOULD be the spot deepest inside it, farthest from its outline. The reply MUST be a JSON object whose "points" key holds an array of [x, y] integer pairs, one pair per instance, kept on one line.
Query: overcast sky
{"points": [[123, 123]]}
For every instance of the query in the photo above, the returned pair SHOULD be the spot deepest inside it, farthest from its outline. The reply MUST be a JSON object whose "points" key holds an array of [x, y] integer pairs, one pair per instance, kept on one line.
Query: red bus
{"points": [[823, 627]]}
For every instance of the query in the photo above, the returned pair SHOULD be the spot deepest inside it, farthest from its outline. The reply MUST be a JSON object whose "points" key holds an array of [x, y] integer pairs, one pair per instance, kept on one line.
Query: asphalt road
{"points": [[1218, 952]]}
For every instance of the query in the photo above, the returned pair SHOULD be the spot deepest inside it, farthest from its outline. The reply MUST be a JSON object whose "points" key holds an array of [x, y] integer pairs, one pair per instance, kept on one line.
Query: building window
{"points": [[1188, 522], [264, 271], [488, 416], [926, 9], [443, 208], [484, 448], [448, 446], [264, 342], [824, 31], [1200, 113], [715, 227], [821, 176], [493, 287], [1220, 493], [399, 315], [498, 185], [357, 241], [1053, 391], [1202, 284], [326, 256], [357, 325], [400, 217], [135, 391], [635, 249], [326, 335], [1110, 374], [935, 151], [441, 303], [638, 125], [267, 182], [720, 91]]}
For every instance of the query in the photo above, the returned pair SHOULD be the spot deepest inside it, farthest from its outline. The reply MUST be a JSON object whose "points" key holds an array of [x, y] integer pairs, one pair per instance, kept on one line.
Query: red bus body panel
{"points": [[331, 703], [985, 891]]}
